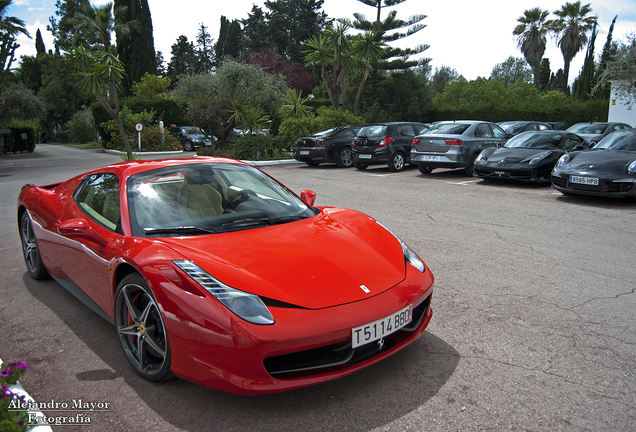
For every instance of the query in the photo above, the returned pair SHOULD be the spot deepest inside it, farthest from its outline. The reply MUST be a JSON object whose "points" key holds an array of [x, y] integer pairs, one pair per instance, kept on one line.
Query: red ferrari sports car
{"points": [[213, 271]]}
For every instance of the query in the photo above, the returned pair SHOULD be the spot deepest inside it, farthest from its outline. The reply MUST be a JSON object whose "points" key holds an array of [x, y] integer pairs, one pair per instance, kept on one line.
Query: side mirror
{"points": [[79, 228], [308, 196]]}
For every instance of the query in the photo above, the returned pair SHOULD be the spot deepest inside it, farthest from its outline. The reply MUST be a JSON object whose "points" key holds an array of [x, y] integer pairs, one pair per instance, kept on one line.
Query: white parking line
{"points": [[466, 183]]}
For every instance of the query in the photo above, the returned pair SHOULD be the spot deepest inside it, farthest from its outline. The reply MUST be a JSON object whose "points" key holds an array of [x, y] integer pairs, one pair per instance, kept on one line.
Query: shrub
{"points": [[81, 127]]}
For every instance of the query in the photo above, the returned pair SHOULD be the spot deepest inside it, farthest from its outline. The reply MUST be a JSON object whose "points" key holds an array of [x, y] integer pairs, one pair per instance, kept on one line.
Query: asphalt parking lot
{"points": [[533, 326]]}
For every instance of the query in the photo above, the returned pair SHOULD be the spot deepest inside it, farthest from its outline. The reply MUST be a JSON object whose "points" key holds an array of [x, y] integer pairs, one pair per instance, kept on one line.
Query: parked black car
{"points": [[516, 127], [331, 145], [596, 131], [191, 137], [385, 143], [529, 156], [607, 169]]}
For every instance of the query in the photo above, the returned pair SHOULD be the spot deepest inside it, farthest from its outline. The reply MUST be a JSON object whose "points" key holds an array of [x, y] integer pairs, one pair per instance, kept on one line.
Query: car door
{"points": [[90, 236], [404, 137]]}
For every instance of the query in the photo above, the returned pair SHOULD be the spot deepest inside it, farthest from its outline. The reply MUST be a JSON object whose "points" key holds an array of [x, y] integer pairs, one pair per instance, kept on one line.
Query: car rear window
{"points": [[447, 128], [373, 131]]}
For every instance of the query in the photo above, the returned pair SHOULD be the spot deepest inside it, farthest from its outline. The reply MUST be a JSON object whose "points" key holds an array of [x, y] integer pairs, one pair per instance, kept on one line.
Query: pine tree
{"points": [[204, 50], [582, 86], [390, 29], [609, 51]]}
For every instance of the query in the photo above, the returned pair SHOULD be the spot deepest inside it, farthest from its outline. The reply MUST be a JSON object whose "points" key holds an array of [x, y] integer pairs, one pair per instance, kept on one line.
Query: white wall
{"points": [[619, 110]]}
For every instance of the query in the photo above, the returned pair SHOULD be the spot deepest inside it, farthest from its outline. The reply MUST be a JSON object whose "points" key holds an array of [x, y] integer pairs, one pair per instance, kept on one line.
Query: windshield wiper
{"points": [[178, 230]]}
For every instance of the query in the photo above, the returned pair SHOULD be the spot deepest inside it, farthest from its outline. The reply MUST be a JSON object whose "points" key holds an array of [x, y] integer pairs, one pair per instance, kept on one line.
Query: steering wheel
{"points": [[239, 197]]}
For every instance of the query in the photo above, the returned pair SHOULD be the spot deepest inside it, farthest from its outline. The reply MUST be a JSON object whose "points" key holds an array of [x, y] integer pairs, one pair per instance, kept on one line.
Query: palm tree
{"points": [[101, 70], [571, 29], [369, 47], [294, 105], [531, 38], [332, 52], [10, 27]]}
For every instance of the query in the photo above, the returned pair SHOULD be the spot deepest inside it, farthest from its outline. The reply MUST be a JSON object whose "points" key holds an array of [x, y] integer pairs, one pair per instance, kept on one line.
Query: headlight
{"points": [[247, 306], [481, 157], [538, 158], [409, 255], [563, 160], [632, 168]]}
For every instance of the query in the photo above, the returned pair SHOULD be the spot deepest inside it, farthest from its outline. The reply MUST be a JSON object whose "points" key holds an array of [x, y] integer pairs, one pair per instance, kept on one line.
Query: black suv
{"points": [[331, 145], [385, 143]]}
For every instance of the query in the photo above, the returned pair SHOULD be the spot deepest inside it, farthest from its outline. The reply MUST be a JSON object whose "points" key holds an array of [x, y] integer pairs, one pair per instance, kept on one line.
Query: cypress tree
{"points": [[137, 51], [39, 43]]}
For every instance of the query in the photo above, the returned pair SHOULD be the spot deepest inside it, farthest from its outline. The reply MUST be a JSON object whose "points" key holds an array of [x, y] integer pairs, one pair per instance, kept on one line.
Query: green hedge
{"points": [[257, 147]]}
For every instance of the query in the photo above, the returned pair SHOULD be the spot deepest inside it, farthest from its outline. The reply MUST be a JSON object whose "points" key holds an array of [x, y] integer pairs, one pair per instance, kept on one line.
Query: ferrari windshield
{"points": [[617, 141], [536, 141], [193, 199]]}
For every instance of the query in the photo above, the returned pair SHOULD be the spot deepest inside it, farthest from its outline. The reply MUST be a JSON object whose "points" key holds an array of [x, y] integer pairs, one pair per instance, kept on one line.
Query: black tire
{"points": [[360, 166], [345, 157], [425, 169], [141, 330], [312, 163], [31, 250], [397, 162], [187, 146]]}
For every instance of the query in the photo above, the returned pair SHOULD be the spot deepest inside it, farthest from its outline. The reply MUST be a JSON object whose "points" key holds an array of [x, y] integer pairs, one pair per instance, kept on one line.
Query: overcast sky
{"points": [[467, 35]]}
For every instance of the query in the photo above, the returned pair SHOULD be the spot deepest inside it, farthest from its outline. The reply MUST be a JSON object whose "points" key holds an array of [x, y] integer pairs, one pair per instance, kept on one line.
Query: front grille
{"points": [[619, 187], [559, 181], [337, 354]]}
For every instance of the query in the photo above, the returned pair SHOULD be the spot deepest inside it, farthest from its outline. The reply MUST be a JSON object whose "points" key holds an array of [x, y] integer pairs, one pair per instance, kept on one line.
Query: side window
{"points": [[419, 129], [98, 198], [543, 127], [497, 132], [571, 142], [406, 130], [483, 131]]}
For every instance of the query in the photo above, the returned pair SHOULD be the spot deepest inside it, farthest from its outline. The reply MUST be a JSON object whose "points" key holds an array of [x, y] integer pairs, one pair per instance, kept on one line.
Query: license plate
{"points": [[584, 180], [376, 330], [304, 152], [364, 156], [430, 158]]}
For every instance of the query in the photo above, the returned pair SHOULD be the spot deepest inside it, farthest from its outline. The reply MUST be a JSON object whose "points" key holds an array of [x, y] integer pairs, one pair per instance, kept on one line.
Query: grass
{"points": [[84, 145]]}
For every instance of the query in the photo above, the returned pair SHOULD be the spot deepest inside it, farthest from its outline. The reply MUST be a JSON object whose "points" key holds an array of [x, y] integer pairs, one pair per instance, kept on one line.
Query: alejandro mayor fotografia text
{"points": [[59, 413]]}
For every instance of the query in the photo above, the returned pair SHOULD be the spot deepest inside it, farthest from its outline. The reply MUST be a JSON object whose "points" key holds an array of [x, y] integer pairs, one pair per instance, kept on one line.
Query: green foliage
{"points": [[20, 103], [325, 118], [81, 127], [294, 105], [512, 70], [150, 86], [255, 147], [151, 139], [490, 100]]}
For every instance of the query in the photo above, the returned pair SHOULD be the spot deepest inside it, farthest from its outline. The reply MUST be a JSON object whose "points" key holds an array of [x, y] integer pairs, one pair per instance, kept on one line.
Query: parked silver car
{"points": [[455, 144]]}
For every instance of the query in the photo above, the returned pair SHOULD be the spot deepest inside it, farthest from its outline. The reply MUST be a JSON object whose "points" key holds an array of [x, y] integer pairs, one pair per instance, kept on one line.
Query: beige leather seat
{"points": [[199, 199]]}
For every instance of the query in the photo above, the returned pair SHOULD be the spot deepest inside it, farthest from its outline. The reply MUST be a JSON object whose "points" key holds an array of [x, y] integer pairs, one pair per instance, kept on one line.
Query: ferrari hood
{"points": [[330, 259], [514, 155]]}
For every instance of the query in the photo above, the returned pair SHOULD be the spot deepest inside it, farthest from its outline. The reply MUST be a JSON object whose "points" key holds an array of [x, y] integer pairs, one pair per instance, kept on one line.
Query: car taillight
{"points": [[320, 142], [353, 144], [385, 141], [415, 141], [453, 141]]}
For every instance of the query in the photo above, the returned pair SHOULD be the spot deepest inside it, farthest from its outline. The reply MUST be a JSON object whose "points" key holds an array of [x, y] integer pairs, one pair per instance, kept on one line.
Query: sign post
{"points": [[139, 127]]}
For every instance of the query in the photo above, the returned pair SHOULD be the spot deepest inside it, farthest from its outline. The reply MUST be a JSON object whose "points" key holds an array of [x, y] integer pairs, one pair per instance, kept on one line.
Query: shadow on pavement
{"points": [[365, 400]]}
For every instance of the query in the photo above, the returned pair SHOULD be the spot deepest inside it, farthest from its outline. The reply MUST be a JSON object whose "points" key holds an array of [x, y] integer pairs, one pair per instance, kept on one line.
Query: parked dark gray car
{"points": [[385, 143], [516, 127], [331, 145], [455, 144], [596, 131]]}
